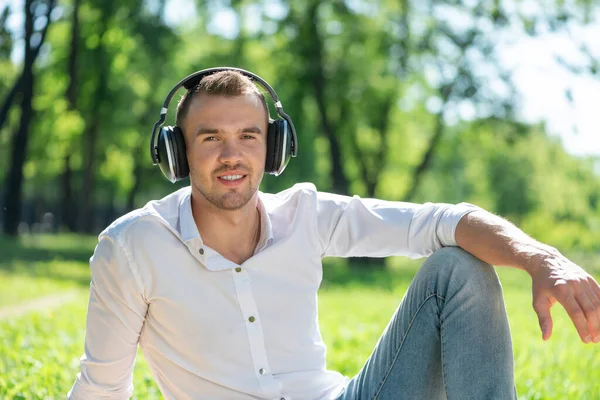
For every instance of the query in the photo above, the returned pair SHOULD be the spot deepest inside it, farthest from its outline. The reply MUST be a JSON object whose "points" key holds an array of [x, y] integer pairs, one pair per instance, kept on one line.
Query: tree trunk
{"points": [[18, 85], [71, 92], [67, 206], [14, 178], [426, 161], [89, 177], [67, 210], [9, 99], [90, 137], [440, 126], [340, 183]]}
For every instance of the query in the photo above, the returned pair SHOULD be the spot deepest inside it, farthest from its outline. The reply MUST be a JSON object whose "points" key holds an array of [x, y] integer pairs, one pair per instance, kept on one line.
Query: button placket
{"points": [[254, 331]]}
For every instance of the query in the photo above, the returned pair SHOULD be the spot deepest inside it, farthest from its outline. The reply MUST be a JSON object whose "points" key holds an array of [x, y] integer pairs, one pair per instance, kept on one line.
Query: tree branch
{"points": [[10, 98]]}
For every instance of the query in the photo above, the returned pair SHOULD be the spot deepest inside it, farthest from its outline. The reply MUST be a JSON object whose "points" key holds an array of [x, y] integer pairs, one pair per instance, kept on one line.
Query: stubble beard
{"points": [[232, 200]]}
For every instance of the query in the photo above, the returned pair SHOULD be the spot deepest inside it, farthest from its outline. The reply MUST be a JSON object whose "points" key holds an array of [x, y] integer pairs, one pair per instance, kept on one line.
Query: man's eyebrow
{"points": [[252, 129], [206, 131], [213, 131]]}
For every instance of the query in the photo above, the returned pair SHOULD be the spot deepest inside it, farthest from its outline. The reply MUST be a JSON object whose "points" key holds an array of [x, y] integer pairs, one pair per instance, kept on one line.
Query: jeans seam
{"points": [[442, 341], [387, 374]]}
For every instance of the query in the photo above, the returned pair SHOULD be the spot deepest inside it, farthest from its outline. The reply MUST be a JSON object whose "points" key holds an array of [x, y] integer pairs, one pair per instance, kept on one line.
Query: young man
{"points": [[218, 282]]}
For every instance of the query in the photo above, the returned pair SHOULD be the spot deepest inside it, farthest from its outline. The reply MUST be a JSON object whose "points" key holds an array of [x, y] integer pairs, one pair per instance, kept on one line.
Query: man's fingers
{"points": [[578, 317], [591, 316], [542, 309], [595, 286], [594, 319]]}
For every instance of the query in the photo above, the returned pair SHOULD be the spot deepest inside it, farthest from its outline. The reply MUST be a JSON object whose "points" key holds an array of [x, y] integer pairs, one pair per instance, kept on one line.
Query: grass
{"points": [[40, 350]]}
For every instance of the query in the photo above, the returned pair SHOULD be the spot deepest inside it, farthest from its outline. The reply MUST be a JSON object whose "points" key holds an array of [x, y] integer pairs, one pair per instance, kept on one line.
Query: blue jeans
{"points": [[448, 339]]}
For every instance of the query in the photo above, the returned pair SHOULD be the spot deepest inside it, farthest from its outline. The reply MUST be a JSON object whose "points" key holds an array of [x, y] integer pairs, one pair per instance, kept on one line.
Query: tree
{"points": [[68, 201], [34, 11]]}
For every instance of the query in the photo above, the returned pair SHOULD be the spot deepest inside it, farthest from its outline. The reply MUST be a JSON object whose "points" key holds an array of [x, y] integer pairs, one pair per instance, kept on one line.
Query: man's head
{"points": [[224, 83], [224, 120]]}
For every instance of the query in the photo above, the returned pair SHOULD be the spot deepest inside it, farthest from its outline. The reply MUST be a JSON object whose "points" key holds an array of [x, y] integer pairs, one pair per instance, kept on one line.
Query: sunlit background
{"points": [[407, 100], [567, 101], [493, 102]]}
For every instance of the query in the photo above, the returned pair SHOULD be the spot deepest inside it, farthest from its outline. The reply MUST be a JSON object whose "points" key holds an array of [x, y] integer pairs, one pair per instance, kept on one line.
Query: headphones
{"points": [[167, 148]]}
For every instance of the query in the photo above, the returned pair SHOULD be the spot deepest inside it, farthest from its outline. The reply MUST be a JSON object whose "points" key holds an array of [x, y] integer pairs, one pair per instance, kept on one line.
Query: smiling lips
{"points": [[231, 177], [231, 180]]}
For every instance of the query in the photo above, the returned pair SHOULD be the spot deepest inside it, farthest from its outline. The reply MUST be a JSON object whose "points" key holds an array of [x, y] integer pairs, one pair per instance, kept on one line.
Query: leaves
{"points": [[396, 99]]}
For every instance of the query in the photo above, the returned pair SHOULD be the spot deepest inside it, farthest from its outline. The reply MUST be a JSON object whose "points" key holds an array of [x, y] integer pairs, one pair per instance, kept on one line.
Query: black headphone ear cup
{"points": [[273, 138], [182, 167], [279, 144], [172, 154]]}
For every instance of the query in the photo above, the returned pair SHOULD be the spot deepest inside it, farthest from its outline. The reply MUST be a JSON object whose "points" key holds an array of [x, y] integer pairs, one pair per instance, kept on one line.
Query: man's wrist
{"points": [[536, 255]]}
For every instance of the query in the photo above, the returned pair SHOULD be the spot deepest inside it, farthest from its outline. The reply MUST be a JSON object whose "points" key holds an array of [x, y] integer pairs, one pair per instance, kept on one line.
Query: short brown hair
{"points": [[226, 83]]}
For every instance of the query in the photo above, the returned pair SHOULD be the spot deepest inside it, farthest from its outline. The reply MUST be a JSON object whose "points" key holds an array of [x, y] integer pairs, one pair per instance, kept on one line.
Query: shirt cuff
{"points": [[446, 229]]}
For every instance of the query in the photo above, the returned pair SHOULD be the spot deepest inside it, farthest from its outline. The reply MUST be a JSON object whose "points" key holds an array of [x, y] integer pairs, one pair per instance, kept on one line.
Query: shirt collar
{"points": [[187, 225], [266, 235], [189, 230]]}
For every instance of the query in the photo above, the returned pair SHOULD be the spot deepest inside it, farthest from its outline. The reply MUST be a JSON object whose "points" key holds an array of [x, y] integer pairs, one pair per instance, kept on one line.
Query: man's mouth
{"points": [[232, 180], [231, 177]]}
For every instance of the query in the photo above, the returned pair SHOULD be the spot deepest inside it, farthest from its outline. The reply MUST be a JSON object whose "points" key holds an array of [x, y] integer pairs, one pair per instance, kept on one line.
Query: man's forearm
{"points": [[554, 278], [499, 242]]}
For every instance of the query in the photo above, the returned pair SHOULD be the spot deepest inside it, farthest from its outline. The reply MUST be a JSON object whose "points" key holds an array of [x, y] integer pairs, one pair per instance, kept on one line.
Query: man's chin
{"points": [[231, 201], [228, 200]]}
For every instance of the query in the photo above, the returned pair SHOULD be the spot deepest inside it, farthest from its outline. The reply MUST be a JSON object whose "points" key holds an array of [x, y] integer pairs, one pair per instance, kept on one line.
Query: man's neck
{"points": [[234, 234]]}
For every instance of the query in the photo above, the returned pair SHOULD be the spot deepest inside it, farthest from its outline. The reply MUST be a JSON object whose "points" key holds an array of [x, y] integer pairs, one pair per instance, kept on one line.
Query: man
{"points": [[218, 282]]}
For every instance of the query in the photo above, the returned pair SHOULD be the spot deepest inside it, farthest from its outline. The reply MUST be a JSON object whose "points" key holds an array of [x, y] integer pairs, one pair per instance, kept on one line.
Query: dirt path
{"points": [[39, 304]]}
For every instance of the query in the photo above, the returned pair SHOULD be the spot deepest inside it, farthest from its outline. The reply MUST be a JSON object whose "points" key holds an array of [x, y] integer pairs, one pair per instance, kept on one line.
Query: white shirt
{"points": [[212, 329]]}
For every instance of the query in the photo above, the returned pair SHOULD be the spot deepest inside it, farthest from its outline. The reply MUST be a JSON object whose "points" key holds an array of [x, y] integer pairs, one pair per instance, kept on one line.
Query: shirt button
{"points": [[238, 269], [201, 251], [262, 371], [251, 319]]}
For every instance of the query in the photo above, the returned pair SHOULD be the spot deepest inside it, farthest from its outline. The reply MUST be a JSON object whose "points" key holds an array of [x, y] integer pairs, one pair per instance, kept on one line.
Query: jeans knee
{"points": [[458, 266]]}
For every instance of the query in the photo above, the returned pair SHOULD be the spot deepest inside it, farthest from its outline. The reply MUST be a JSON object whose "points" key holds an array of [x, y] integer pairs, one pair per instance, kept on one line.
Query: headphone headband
{"points": [[190, 81]]}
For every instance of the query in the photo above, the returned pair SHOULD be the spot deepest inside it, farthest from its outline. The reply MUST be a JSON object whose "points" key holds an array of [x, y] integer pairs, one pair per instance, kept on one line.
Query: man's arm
{"points": [[115, 316], [554, 278], [366, 227]]}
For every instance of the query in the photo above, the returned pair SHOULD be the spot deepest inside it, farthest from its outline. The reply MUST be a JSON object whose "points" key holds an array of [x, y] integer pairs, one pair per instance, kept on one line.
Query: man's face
{"points": [[226, 148]]}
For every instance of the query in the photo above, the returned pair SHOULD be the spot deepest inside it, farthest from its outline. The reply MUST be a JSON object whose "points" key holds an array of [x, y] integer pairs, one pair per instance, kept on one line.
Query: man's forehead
{"points": [[209, 112]]}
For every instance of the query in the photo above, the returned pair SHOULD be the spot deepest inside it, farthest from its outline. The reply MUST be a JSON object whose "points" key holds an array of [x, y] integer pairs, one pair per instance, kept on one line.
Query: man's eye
{"points": [[247, 137], [210, 138]]}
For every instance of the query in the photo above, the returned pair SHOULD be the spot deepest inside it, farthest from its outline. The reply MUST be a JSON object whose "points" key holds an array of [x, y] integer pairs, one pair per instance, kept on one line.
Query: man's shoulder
{"points": [[292, 194], [160, 213]]}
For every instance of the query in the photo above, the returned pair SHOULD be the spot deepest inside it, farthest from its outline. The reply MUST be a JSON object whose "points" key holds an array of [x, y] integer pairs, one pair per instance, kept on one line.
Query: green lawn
{"points": [[40, 348]]}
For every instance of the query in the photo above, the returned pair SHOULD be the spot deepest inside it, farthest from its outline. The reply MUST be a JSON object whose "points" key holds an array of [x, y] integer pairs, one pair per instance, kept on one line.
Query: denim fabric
{"points": [[448, 339]]}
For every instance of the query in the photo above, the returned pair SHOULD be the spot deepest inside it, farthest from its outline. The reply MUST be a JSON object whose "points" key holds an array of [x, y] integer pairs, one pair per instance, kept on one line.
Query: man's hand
{"points": [[556, 279]]}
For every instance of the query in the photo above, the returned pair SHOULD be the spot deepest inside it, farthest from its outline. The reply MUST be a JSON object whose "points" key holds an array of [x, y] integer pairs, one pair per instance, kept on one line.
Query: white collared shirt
{"points": [[212, 329]]}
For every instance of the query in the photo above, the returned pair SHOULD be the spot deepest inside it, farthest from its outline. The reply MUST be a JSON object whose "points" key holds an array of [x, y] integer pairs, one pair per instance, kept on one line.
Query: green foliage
{"points": [[523, 175], [372, 81]]}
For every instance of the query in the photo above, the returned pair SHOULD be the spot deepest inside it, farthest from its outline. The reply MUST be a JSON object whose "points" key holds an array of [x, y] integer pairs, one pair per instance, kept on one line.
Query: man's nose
{"points": [[230, 152]]}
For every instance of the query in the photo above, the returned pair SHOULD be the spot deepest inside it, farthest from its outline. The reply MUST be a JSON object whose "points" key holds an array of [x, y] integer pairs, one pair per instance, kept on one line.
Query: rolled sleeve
{"points": [[356, 227], [446, 227], [116, 313]]}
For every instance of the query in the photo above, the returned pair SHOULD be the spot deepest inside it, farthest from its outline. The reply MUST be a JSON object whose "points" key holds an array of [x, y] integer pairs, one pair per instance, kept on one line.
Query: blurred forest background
{"points": [[398, 99]]}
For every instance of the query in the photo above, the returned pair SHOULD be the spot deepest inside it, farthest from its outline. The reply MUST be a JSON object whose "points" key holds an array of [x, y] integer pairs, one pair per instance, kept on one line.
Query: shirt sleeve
{"points": [[357, 227], [116, 313]]}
